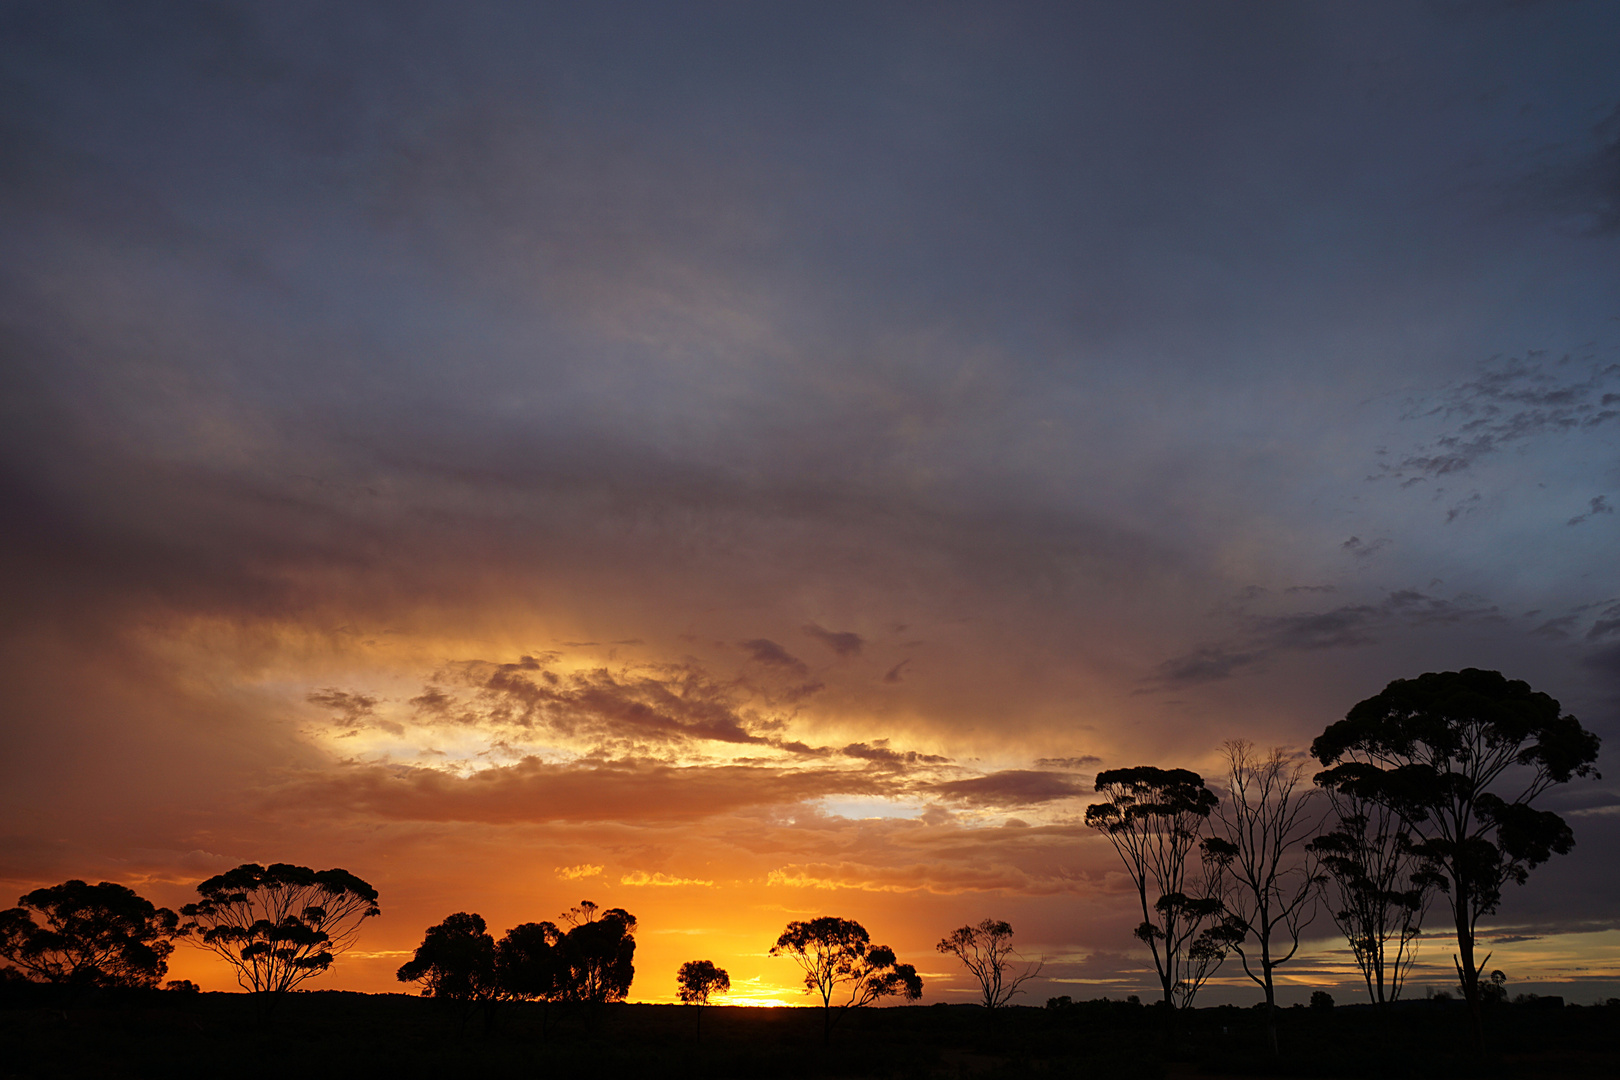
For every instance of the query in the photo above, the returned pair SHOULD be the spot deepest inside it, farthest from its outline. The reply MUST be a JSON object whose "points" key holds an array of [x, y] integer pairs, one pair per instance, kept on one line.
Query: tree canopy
{"points": [[1461, 756], [697, 980], [837, 953], [455, 961], [1154, 818], [279, 925], [596, 954], [528, 961], [88, 936]]}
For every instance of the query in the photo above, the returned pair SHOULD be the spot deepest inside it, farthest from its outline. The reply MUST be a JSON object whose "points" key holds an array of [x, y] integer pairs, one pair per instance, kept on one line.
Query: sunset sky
{"points": [[743, 462]]}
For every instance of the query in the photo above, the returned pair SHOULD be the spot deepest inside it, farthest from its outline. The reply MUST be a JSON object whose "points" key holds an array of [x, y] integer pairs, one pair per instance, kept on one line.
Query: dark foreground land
{"points": [[329, 1034]]}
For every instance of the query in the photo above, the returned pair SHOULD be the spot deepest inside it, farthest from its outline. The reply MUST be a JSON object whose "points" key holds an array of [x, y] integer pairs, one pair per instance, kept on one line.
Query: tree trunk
{"points": [[1271, 1018], [1271, 996], [1467, 973]]}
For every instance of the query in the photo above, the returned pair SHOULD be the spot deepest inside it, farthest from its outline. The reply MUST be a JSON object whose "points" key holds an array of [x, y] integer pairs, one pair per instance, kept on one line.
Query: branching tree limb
{"points": [[1271, 882]]}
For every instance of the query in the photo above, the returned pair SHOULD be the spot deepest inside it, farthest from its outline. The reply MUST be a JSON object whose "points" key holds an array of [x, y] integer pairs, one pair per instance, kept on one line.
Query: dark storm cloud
{"points": [[1510, 402], [1362, 549], [767, 652], [350, 706], [1069, 764], [880, 753], [842, 642], [1557, 629], [1012, 787], [655, 704], [1348, 627], [535, 791], [1597, 505]]}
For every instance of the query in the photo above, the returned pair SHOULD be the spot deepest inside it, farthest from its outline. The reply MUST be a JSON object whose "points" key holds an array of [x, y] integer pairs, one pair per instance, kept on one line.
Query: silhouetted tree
{"points": [[529, 965], [1154, 818], [1380, 889], [455, 962], [696, 981], [88, 936], [1270, 883], [595, 955], [528, 961], [279, 925], [986, 950], [1437, 746], [838, 953]]}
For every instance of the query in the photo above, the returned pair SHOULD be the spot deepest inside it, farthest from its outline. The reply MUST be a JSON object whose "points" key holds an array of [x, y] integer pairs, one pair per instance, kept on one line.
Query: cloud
{"points": [[1598, 505], [767, 652], [1203, 665], [842, 642], [1361, 550], [1557, 629], [919, 877], [583, 870], [641, 877], [535, 791], [673, 703], [1517, 401], [351, 707], [893, 675], [1085, 761], [880, 753], [1351, 626], [1603, 628], [1012, 787]]}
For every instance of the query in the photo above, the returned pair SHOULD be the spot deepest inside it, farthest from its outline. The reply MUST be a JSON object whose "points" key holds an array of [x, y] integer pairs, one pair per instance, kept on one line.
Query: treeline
{"points": [[1427, 789]]}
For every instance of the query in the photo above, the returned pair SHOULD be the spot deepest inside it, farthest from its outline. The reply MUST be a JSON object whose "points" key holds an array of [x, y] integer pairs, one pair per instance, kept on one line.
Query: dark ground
{"points": [[328, 1034]]}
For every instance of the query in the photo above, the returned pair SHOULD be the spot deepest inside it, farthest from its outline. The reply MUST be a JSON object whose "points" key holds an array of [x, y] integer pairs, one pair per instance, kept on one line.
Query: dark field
{"points": [[357, 1035]]}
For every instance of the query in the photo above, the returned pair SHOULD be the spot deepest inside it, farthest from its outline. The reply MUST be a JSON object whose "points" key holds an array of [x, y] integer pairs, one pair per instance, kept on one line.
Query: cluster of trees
{"points": [[593, 961], [1430, 789], [276, 926], [460, 961]]}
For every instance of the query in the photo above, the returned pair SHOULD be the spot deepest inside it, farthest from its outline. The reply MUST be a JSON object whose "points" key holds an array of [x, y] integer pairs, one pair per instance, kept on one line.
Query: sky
{"points": [[745, 462]]}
